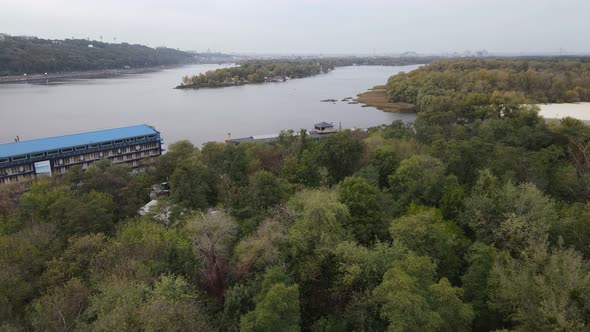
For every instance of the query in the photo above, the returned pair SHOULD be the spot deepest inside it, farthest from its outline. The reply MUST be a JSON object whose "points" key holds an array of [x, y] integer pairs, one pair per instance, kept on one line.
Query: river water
{"points": [[559, 111], [36, 111]]}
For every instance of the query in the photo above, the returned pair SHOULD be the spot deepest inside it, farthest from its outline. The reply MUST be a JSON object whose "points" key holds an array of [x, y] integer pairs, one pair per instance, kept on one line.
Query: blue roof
{"points": [[67, 141]]}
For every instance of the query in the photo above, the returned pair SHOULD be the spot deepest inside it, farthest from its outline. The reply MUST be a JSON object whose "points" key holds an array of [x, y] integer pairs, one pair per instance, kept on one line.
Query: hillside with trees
{"points": [[476, 83], [460, 221], [19, 55]]}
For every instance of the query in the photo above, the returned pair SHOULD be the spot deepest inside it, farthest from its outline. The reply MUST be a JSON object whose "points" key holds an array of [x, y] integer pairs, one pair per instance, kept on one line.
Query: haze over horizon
{"points": [[312, 26]]}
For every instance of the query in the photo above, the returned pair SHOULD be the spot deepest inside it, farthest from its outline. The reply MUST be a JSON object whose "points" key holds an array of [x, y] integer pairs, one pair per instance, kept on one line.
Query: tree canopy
{"points": [[483, 86], [470, 218]]}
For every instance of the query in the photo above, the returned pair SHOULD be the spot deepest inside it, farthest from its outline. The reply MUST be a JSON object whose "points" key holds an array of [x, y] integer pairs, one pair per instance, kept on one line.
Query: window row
{"points": [[17, 178], [16, 170], [105, 154], [81, 148]]}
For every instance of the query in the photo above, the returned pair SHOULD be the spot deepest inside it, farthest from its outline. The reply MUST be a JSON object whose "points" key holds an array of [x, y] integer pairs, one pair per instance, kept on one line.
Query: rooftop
{"points": [[323, 125], [67, 141], [256, 138]]}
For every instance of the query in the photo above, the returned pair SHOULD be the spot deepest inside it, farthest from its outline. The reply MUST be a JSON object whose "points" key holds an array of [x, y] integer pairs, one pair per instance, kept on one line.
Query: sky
{"points": [[312, 26]]}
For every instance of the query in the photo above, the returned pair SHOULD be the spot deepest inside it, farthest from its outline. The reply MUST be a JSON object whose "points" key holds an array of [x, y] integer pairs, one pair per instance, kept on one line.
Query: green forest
{"points": [[463, 220], [19, 55], [280, 70], [256, 71], [471, 83]]}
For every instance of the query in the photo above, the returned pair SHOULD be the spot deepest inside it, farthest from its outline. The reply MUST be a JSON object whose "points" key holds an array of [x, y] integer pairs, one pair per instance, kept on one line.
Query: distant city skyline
{"points": [[313, 26]]}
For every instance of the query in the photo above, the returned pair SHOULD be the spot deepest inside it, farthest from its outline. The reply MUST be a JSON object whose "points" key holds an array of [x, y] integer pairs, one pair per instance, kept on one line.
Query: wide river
{"points": [[34, 111], [559, 111]]}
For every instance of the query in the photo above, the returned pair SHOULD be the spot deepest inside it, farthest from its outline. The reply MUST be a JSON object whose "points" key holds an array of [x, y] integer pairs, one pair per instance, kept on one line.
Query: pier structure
{"points": [[321, 130]]}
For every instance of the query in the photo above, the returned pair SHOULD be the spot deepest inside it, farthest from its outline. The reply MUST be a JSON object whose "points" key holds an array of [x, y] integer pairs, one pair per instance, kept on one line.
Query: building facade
{"points": [[26, 160]]}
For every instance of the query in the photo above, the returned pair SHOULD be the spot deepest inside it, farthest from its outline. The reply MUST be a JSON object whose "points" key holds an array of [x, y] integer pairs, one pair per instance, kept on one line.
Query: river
{"points": [[35, 111], [559, 111]]}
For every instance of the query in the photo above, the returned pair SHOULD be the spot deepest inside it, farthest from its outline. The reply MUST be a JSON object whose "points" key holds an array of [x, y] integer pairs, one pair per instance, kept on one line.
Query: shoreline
{"points": [[377, 97], [220, 85], [90, 74], [579, 110]]}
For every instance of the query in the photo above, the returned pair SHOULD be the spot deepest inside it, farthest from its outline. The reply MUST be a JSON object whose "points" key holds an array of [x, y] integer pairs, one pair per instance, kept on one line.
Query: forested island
{"points": [[256, 71], [281, 70], [31, 55], [461, 221]]}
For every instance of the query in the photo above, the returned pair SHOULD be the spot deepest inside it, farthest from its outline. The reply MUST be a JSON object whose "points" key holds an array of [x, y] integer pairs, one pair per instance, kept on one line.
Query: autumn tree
{"points": [[543, 289], [61, 308], [213, 237], [261, 249], [507, 215]]}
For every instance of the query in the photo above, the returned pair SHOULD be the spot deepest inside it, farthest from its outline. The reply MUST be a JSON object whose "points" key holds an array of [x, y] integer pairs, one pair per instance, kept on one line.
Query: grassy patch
{"points": [[376, 97]]}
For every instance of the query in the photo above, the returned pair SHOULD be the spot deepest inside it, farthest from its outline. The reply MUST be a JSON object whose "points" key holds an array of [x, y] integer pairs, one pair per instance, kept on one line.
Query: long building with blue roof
{"points": [[21, 161]]}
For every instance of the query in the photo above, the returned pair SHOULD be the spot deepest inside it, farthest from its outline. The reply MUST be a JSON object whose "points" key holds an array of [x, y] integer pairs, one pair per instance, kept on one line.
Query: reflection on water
{"points": [[34, 111]]}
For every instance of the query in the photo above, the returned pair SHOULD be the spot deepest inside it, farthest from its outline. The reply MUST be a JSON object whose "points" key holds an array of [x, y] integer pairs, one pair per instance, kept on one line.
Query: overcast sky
{"points": [[312, 26]]}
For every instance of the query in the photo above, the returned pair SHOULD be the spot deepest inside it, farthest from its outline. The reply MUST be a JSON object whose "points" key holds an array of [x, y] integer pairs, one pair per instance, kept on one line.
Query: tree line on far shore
{"points": [[30, 55]]}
